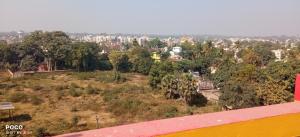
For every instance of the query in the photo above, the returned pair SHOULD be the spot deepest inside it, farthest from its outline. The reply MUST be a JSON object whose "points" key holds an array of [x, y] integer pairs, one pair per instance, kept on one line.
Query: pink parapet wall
{"points": [[297, 88]]}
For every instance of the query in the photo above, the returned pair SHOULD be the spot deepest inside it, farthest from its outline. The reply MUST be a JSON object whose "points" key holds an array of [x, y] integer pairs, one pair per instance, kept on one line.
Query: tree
{"points": [[184, 65], [140, 59], [238, 95], [104, 63], [158, 71], [135, 43], [250, 57], [273, 92], [170, 84], [120, 61], [188, 90], [84, 56], [224, 72], [266, 54], [52, 44], [183, 86], [156, 44], [10, 56]]}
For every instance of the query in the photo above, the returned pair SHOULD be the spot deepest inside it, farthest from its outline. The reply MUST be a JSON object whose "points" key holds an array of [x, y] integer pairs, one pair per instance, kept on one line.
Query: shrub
{"points": [[59, 94], [91, 90], [18, 97], [110, 95], [37, 87], [74, 92], [8, 86], [127, 106], [74, 85], [40, 132], [85, 75], [75, 120], [167, 111], [119, 78], [35, 100], [61, 87]]}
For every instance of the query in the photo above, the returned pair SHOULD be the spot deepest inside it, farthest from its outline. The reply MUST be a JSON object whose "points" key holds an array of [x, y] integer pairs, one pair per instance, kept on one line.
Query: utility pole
{"points": [[97, 120]]}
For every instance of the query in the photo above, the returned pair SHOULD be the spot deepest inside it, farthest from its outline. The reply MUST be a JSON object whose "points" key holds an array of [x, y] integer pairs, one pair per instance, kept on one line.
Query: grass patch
{"points": [[18, 97], [127, 106]]}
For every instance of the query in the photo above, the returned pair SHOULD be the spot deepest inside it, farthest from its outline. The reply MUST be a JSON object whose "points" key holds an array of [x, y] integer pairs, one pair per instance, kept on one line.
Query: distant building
{"points": [[278, 54], [156, 57], [176, 50]]}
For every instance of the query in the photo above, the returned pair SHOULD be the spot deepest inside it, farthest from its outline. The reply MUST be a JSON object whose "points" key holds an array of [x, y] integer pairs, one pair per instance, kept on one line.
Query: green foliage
{"points": [[272, 92], [184, 65], [135, 43], [238, 95], [104, 63], [184, 86], [140, 59], [188, 89], [158, 71], [266, 54], [170, 84], [75, 92], [84, 56], [156, 43], [120, 61], [127, 106], [224, 73], [119, 78], [85, 75], [167, 111], [54, 46]]}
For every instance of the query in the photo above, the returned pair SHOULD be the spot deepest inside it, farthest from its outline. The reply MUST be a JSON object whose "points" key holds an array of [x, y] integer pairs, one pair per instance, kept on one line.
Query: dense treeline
{"points": [[58, 51], [249, 77]]}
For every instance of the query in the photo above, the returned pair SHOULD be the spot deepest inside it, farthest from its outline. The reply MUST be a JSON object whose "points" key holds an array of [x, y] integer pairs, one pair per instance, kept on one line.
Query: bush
{"points": [[91, 90], [85, 75], [74, 85], [75, 120], [74, 92], [61, 87], [119, 78], [167, 111], [40, 132], [18, 97], [8, 86], [127, 106], [110, 95], [35, 100], [109, 77], [59, 94], [196, 99]]}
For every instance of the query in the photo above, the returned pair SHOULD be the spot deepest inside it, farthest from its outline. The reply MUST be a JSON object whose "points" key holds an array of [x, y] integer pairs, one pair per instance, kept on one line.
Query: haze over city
{"points": [[231, 17]]}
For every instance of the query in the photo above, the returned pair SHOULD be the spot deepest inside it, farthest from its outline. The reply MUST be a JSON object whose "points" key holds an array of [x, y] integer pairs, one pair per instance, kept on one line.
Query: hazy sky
{"points": [[224, 17]]}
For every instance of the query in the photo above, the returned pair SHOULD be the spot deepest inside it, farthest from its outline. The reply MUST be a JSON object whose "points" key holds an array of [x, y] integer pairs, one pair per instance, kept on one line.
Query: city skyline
{"points": [[169, 17]]}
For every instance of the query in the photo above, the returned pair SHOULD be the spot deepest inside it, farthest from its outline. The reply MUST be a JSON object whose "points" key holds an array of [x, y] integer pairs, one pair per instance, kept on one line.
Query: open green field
{"points": [[69, 101]]}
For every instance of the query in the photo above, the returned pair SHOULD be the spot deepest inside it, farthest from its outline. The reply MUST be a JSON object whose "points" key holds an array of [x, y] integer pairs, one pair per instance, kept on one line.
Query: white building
{"points": [[177, 50], [278, 54]]}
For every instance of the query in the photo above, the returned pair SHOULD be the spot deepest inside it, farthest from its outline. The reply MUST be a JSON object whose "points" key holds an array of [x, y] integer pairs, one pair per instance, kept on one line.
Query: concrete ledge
{"points": [[167, 126]]}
